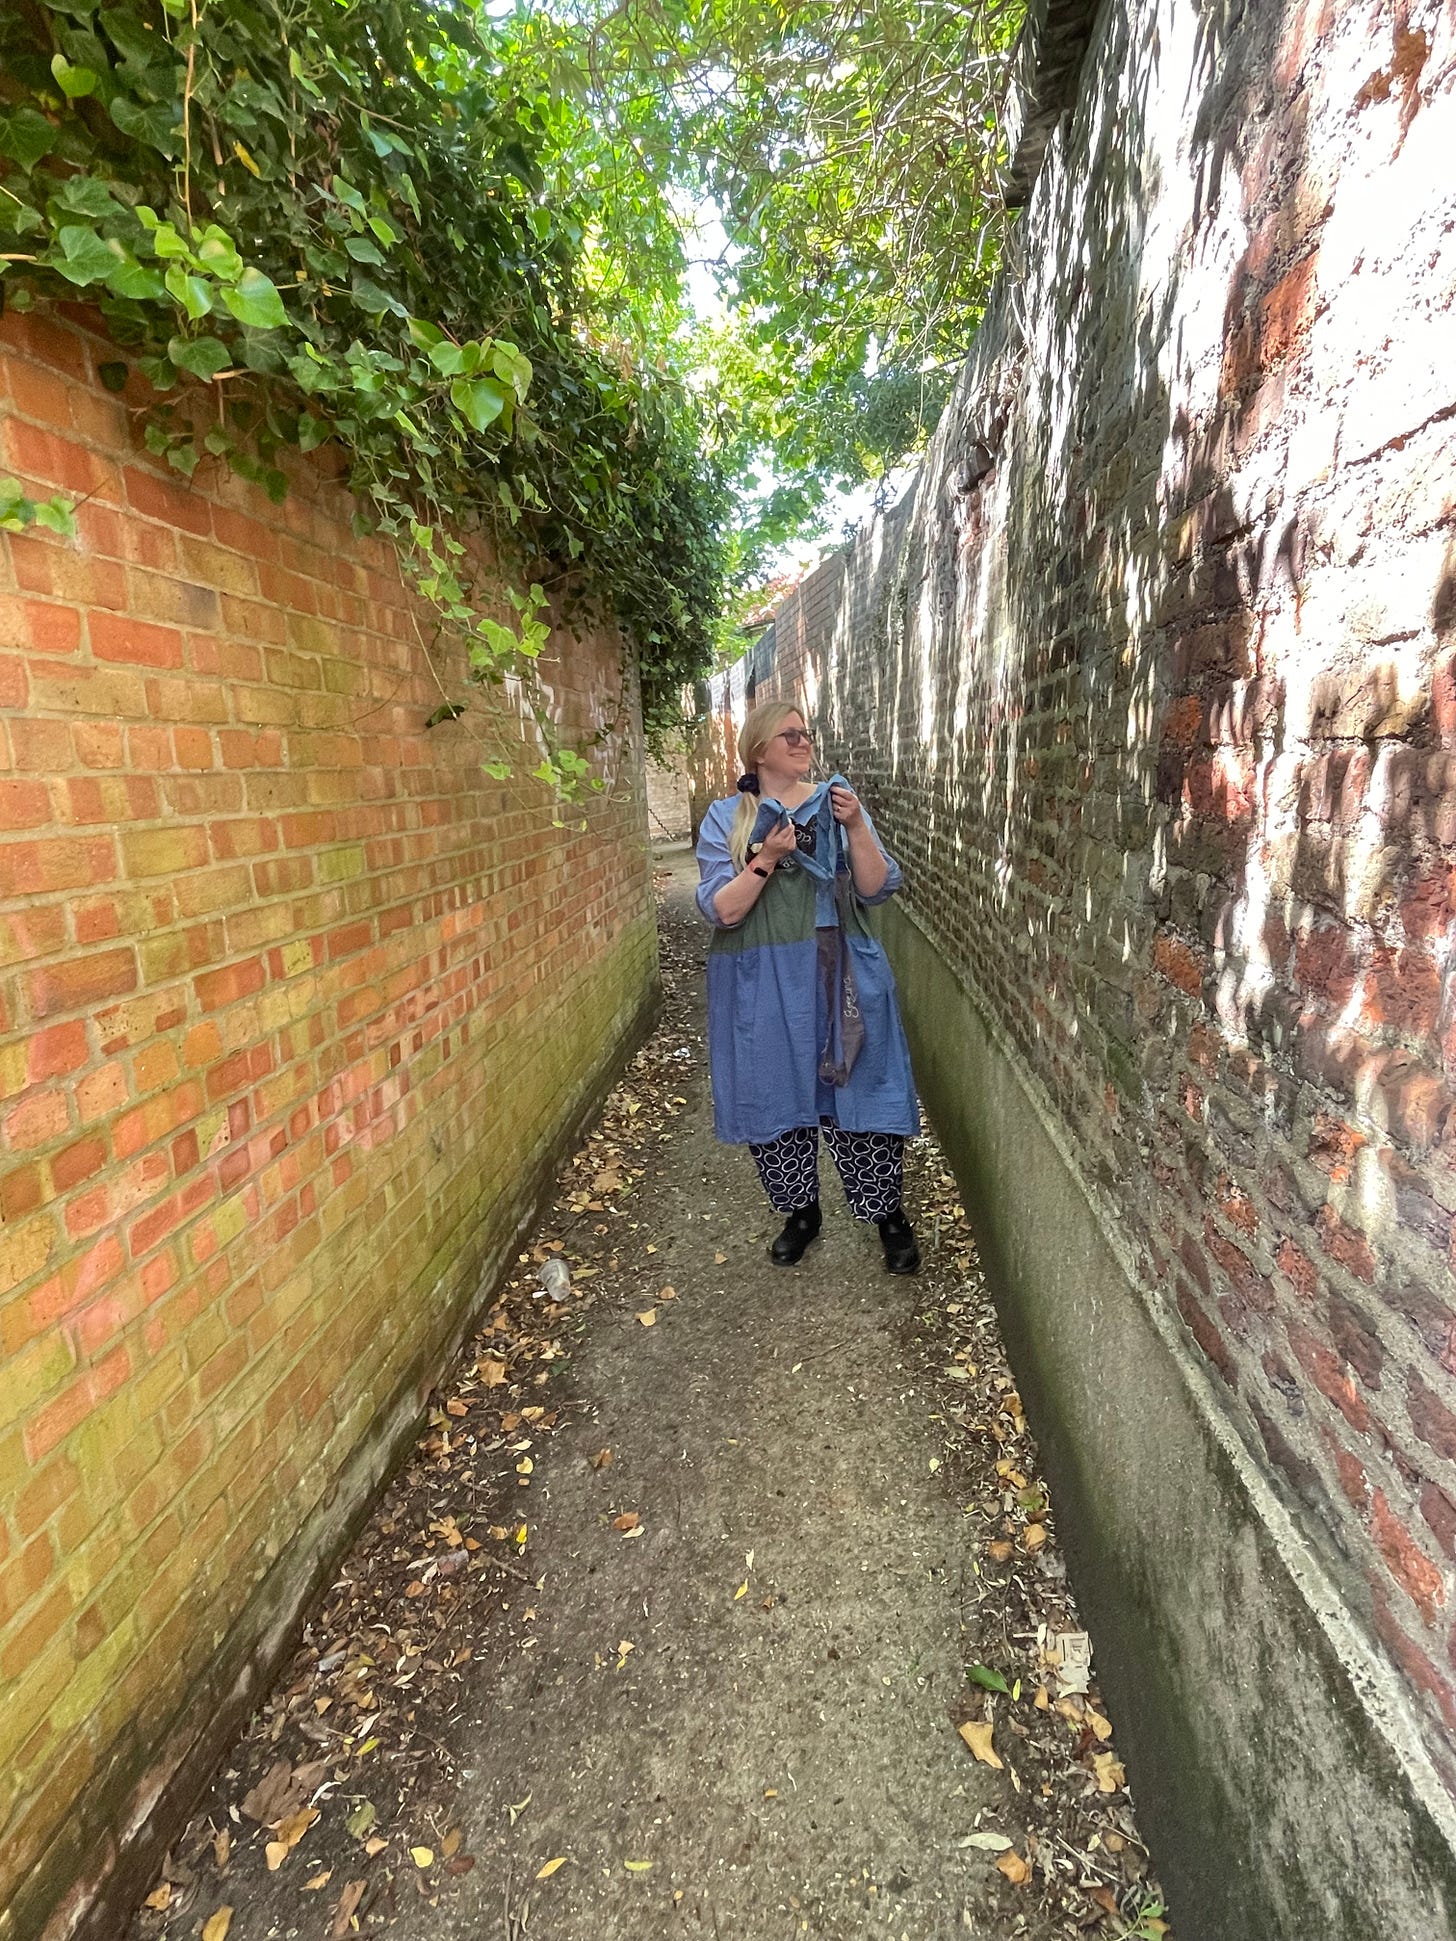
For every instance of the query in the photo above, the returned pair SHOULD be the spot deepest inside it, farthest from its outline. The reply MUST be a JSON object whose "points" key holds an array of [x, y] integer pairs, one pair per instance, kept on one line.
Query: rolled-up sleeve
{"points": [[715, 864], [894, 875]]}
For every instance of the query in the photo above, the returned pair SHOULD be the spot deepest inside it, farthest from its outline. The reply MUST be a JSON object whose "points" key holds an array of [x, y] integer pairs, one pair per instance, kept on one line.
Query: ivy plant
{"points": [[310, 224]]}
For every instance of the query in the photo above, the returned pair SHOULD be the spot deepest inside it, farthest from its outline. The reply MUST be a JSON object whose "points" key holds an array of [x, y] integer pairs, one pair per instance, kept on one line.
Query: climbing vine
{"points": [[311, 224]]}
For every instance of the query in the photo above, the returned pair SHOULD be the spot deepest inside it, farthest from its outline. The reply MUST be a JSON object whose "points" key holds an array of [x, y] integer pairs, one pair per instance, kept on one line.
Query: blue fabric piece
{"points": [[768, 1011], [717, 869], [816, 810]]}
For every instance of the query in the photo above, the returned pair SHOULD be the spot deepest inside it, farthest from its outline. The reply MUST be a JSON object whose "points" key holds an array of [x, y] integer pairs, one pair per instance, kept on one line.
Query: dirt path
{"points": [[716, 1674]]}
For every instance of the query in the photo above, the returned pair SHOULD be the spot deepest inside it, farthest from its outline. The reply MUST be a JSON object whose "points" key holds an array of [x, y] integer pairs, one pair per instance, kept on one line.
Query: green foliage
{"points": [[850, 148], [309, 224], [17, 512]]}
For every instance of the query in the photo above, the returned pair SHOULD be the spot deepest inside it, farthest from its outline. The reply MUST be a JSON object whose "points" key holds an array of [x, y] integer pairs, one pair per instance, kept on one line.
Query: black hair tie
{"points": [[748, 784]]}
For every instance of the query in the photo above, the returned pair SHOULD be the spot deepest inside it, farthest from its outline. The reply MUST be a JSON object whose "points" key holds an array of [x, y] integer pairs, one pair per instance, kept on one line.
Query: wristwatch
{"points": [[764, 873]]}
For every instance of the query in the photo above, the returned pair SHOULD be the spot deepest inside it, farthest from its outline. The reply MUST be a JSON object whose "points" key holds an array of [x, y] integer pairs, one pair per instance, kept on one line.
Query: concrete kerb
{"points": [[1276, 1766]]}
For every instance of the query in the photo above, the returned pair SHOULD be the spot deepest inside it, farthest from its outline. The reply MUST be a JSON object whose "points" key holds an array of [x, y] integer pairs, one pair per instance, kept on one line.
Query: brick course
{"points": [[1158, 714], [296, 1005]]}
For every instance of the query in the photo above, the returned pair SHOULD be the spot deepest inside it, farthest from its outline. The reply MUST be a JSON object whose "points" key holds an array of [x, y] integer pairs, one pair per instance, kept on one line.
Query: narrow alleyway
{"points": [[670, 1625]]}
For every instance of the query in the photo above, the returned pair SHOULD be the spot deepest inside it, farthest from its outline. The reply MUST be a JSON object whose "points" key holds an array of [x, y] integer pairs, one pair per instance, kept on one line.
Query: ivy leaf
{"points": [[57, 516], [129, 278], [480, 401], [375, 301], [15, 509], [84, 195], [217, 255], [204, 357], [165, 240], [160, 126], [113, 374], [75, 82], [26, 136], [85, 257], [256, 302], [132, 40], [190, 291]]}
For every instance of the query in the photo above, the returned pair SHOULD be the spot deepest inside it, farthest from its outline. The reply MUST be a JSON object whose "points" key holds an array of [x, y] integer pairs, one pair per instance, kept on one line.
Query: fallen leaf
{"points": [[216, 1926], [1034, 1536], [602, 1459], [551, 1865], [361, 1820], [450, 1845], [742, 1591], [977, 1735], [1015, 1869], [160, 1897], [987, 1842], [1106, 1900], [492, 1372], [319, 1880], [266, 1801], [347, 1908], [375, 1845], [1101, 1726], [667, 1293], [718, 1259], [456, 1407], [637, 1866], [989, 1680], [1109, 1770], [423, 1856], [648, 1318], [290, 1832], [1042, 1701], [629, 1520], [999, 1551], [222, 1846]]}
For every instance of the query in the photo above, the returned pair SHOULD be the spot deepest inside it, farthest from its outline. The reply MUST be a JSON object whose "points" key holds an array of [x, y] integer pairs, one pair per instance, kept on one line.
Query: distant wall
{"points": [[297, 1009], [1151, 685], [668, 810]]}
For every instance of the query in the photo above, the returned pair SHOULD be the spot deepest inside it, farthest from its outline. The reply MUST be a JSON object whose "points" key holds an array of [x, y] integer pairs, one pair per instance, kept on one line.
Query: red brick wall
{"points": [[1160, 715], [296, 1006]]}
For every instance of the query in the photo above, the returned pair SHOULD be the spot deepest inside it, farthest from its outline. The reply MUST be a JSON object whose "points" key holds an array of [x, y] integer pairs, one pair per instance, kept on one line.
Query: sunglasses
{"points": [[793, 736]]}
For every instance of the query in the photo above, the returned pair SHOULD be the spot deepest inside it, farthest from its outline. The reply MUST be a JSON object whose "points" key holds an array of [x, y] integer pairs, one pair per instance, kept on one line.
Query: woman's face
{"points": [[790, 750]]}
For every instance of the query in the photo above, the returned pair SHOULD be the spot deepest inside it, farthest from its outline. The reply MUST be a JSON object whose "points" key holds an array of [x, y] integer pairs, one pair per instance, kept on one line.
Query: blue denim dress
{"points": [[771, 1011]]}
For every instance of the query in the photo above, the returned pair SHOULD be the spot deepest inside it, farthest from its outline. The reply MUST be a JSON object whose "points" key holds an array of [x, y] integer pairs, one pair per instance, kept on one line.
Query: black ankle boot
{"points": [[902, 1256], [799, 1229]]}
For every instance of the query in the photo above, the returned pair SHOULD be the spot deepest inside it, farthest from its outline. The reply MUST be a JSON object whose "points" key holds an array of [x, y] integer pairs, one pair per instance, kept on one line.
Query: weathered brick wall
{"points": [[1152, 686], [297, 1006]]}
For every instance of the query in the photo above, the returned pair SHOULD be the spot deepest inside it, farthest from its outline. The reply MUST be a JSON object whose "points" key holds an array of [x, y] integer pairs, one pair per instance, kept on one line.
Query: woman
{"points": [[803, 1027]]}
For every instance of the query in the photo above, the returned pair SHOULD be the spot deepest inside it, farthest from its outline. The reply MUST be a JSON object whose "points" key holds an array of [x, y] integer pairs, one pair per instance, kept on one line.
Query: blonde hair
{"points": [[758, 730]]}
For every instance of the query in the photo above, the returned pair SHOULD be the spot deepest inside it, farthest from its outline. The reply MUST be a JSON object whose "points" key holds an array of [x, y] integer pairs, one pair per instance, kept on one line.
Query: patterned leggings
{"points": [[871, 1167]]}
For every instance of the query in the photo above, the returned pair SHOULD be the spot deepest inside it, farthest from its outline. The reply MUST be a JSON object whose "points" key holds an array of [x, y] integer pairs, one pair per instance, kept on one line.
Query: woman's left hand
{"points": [[846, 807]]}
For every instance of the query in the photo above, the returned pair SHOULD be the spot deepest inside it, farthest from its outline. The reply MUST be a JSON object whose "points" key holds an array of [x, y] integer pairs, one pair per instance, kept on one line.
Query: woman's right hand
{"points": [[778, 843]]}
